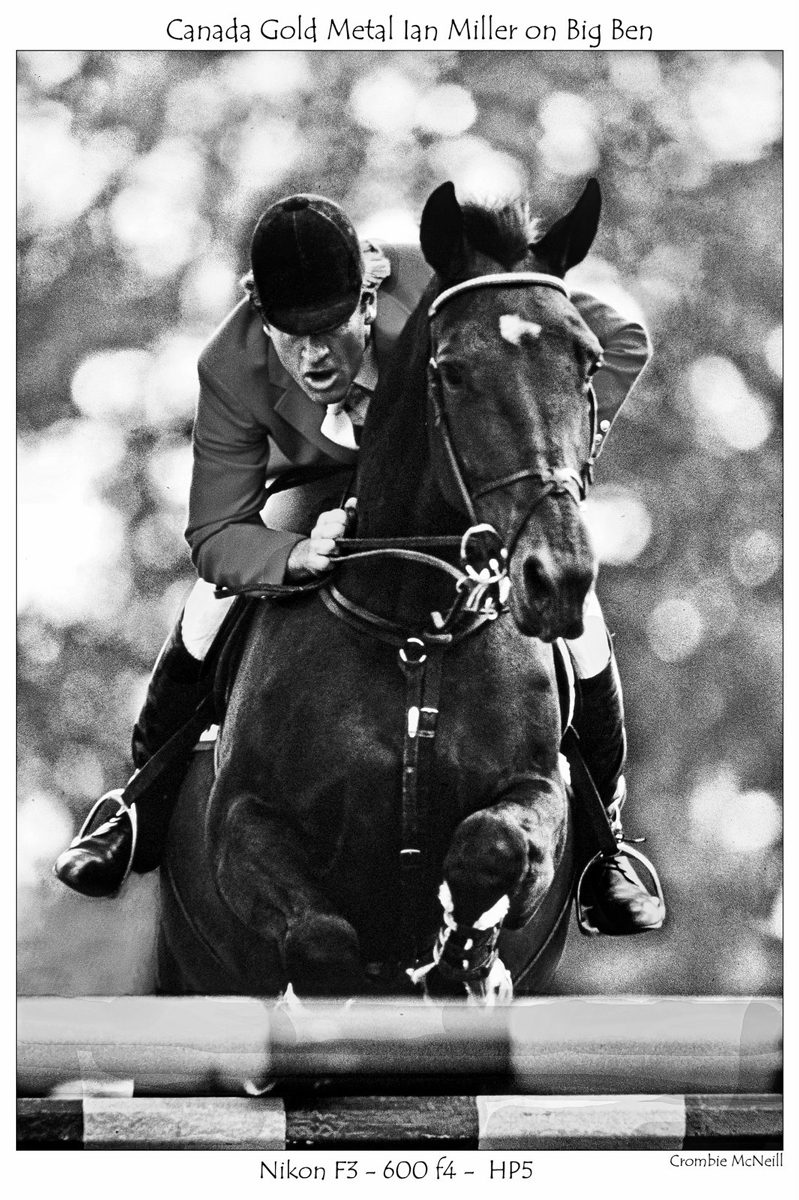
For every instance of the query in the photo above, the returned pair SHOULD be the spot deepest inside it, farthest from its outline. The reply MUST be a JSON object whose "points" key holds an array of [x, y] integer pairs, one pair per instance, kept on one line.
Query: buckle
{"points": [[495, 559], [413, 654], [487, 586]]}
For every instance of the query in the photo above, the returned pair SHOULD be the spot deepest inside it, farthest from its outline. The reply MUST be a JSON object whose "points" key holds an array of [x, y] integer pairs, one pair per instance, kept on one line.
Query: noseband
{"points": [[554, 481]]}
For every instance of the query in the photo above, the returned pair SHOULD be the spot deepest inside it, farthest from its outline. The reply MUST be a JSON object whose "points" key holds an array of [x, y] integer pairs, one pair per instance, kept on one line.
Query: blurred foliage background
{"points": [[141, 176]]}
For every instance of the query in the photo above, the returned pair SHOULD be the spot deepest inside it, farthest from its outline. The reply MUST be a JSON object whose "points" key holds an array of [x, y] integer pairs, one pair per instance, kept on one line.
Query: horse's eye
{"points": [[452, 374]]}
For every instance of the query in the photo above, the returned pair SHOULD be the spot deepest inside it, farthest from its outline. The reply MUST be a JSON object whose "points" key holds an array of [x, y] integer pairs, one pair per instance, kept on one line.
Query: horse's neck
{"points": [[397, 494], [408, 504]]}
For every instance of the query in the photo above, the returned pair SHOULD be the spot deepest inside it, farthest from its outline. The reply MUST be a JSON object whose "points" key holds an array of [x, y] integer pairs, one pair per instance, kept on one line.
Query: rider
{"points": [[284, 383]]}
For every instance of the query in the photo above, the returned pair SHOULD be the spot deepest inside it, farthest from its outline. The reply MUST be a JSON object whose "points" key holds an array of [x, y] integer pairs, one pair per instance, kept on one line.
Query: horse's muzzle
{"points": [[550, 586]]}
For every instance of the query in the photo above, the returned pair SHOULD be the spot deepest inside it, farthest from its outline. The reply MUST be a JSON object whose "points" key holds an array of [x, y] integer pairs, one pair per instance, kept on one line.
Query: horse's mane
{"points": [[503, 232]]}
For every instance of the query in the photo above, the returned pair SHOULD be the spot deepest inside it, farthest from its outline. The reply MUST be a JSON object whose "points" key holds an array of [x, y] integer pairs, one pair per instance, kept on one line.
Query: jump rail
{"points": [[547, 1073], [422, 1122]]}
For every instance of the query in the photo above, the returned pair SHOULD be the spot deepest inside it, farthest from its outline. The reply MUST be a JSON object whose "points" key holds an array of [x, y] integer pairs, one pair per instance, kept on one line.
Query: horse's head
{"points": [[513, 413]]}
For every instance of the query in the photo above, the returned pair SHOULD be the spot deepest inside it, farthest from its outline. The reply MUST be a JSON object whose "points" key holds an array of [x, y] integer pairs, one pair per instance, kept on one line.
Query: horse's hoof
{"points": [[322, 957], [495, 989], [436, 986], [439, 987]]}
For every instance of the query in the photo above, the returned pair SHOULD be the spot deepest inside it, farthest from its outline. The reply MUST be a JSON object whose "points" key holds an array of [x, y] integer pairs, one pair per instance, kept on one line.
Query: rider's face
{"points": [[325, 364]]}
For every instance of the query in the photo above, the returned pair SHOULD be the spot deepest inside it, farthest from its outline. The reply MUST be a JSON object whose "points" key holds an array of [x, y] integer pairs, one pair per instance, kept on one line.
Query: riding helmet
{"points": [[306, 264]]}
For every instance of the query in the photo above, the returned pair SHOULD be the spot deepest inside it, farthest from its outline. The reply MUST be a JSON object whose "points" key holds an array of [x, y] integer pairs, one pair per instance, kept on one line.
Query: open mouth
{"points": [[321, 379]]}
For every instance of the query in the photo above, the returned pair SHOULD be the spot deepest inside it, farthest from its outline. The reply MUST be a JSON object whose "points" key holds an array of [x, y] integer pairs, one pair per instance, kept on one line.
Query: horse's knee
{"points": [[487, 859], [322, 956]]}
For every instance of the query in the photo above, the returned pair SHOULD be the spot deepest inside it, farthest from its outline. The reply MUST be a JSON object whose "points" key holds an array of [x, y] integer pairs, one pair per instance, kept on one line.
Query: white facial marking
{"points": [[513, 328]]}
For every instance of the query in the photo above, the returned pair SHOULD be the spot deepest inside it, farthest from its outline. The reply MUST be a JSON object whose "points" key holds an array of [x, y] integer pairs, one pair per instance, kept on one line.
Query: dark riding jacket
{"points": [[254, 422]]}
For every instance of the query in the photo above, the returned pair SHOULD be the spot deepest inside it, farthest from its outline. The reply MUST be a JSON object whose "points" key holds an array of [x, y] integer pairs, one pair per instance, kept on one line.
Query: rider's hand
{"points": [[312, 556]]}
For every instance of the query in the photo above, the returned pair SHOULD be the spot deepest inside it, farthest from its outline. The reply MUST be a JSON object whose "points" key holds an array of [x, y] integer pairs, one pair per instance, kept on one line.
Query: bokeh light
{"points": [[755, 557], [477, 170], [77, 770], [715, 601], [636, 73], [169, 472], [260, 156], [772, 348], [275, 76], [49, 69], [155, 217], [619, 524], [208, 290], [61, 173], [447, 109], [44, 828], [568, 144], [391, 225], [386, 101], [737, 108], [170, 386], [730, 413], [744, 822], [675, 629], [65, 575], [109, 385]]}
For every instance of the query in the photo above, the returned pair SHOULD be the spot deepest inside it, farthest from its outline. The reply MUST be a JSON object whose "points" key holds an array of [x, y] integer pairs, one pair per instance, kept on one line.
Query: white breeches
{"points": [[591, 651], [202, 618]]}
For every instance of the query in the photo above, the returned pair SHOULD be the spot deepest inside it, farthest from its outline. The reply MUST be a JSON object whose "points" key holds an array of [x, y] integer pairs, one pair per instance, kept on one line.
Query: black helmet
{"points": [[306, 265]]}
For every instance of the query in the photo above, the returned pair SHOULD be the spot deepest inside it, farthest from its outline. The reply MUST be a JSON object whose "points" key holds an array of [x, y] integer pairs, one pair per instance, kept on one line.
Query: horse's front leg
{"points": [[262, 872], [499, 866]]}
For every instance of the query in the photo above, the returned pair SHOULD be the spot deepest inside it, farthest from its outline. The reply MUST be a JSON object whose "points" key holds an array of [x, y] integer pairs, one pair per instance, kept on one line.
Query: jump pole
{"points": [[561, 1046]]}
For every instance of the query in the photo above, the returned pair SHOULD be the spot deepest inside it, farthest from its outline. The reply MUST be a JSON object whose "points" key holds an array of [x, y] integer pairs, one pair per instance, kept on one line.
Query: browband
{"points": [[506, 279]]}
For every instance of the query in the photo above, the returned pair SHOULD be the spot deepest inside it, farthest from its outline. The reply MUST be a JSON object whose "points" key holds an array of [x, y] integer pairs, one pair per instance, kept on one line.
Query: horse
{"points": [[386, 808]]}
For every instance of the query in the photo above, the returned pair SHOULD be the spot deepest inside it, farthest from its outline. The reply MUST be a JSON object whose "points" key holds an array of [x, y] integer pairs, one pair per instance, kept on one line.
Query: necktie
{"points": [[343, 421]]}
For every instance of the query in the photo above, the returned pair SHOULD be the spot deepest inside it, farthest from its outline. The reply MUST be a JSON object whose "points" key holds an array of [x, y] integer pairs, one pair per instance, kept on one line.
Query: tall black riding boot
{"points": [[616, 900], [99, 859]]}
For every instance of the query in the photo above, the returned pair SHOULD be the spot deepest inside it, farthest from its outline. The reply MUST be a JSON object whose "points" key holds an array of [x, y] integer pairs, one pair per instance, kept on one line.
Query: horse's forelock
{"points": [[502, 232]]}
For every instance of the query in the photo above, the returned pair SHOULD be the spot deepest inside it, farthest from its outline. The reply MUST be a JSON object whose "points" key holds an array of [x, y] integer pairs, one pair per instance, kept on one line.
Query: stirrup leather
{"points": [[623, 847], [93, 822]]}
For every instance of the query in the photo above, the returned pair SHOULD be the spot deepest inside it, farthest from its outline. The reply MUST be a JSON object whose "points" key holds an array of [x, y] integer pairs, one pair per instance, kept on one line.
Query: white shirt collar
{"points": [[339, 418]]}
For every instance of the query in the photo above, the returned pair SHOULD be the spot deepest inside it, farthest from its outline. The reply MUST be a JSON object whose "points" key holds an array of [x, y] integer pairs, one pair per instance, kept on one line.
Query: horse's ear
{"points": [[570, 238], [441, 231]]}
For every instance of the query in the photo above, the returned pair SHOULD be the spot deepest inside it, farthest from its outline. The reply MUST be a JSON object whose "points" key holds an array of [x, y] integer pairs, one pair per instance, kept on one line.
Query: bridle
{"points": [[481, 592], [555, 480]]}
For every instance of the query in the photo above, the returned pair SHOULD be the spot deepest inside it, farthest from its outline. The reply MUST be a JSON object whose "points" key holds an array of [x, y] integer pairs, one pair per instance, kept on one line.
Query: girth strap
{"points": [[421, 664]]}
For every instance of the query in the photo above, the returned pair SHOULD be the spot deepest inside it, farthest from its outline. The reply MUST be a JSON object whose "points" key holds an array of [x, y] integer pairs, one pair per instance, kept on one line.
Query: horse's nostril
{"points": [[536, 578]]}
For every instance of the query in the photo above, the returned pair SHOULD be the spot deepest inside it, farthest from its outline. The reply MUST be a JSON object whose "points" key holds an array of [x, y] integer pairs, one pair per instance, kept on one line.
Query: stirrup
{"points": [[88, 827], [623, 847]]}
